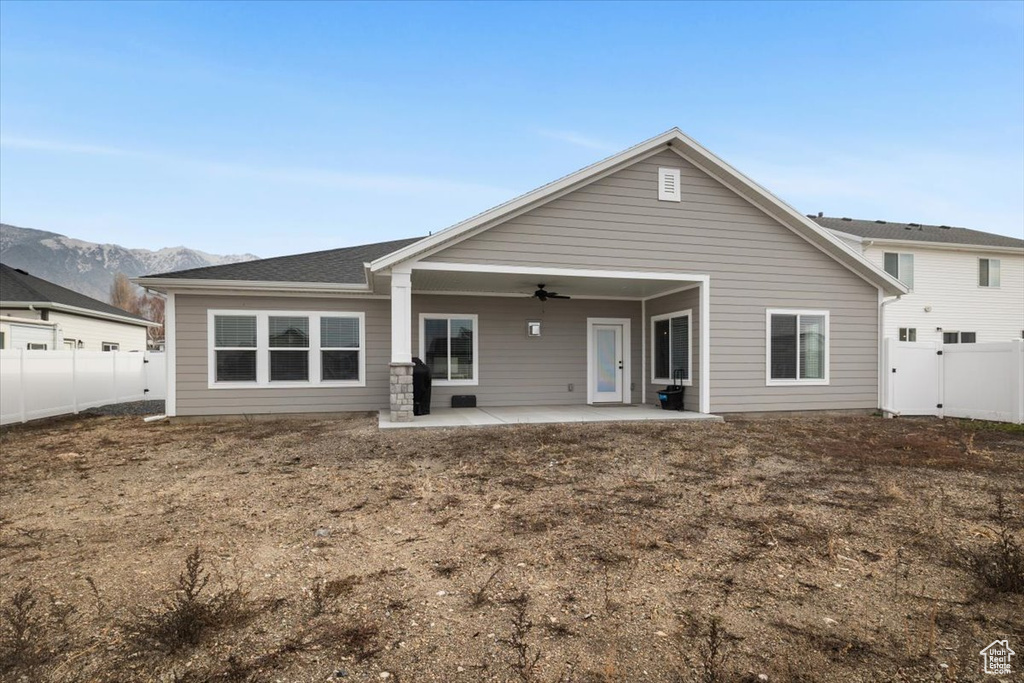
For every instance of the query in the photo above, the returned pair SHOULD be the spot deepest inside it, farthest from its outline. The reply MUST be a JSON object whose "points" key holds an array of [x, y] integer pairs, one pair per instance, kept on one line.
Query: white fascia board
{"points": [[180, 284], [84, 312], [944, 246], [15, 320], [846, 235], [559, 272]]}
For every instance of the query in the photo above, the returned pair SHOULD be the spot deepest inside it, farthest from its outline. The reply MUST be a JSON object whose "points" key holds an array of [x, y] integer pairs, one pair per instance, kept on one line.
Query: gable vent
{"points": [[668, 185]]}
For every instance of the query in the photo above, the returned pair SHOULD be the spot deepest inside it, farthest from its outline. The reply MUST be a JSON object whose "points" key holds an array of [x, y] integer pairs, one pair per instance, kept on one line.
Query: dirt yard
{"points": [[803, 549]]}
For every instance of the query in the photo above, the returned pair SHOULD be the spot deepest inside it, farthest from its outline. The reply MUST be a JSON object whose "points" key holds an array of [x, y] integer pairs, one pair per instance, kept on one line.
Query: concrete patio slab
{"points": [[476, 417]]}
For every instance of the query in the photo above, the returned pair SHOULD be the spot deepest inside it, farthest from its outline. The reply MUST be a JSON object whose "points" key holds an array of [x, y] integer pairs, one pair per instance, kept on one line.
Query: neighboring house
{"points": [[674, 261], [37, 314], [966, 286]]}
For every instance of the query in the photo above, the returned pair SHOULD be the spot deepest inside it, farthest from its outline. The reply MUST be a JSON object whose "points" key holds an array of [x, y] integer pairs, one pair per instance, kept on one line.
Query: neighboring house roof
{"points": [[18, 288], [345, 266], [678, 142], [916, 232]]}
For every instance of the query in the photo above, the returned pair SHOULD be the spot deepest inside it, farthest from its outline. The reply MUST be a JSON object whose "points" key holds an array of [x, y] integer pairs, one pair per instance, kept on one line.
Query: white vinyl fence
{"points": [[35, 384], [979, 381]]}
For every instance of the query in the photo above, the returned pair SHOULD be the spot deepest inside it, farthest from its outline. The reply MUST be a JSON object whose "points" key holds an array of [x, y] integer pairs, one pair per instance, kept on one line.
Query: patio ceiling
{"points": [[424, 281]]}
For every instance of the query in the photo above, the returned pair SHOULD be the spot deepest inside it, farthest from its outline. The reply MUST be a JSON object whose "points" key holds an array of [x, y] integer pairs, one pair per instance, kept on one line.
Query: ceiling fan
{"points": [[544, 294]]}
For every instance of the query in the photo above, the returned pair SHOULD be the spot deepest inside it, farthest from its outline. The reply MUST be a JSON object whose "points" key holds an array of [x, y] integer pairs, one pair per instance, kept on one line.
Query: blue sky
{"points": [[280, 128]]}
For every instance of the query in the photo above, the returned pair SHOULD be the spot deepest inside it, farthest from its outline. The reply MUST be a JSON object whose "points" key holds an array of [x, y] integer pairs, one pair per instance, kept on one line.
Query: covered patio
{"points": [[592, 358], [480, 417]]}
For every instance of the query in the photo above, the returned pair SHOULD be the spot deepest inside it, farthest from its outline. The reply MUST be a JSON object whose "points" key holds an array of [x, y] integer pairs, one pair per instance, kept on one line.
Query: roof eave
{"points": [[78, 310], [954, 246], [174, 283]]}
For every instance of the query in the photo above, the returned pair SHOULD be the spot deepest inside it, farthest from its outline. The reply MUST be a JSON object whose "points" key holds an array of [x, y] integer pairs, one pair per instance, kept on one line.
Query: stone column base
{"points": [[401, 392]]}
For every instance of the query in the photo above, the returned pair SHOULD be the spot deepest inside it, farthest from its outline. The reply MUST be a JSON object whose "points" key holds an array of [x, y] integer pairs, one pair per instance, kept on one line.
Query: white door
{"points": [[606, 371]]}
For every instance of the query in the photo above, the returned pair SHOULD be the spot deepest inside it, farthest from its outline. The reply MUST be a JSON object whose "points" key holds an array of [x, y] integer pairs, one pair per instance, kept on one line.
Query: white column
{"points": [[401, 316], [705, 345]]}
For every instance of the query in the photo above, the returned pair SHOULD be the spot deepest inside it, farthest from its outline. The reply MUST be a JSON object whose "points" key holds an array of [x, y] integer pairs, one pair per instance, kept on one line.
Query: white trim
{"points": [[627, 371], [945, 246], [674, 140], [677, 290], [519, 295], [688, 314], [999, 268], [268, 285], [705, 346], [476, 347], [171, 351], [560, 272], [643, 350], [401, 316], [769, 312], [263, 349], [78, 310]]}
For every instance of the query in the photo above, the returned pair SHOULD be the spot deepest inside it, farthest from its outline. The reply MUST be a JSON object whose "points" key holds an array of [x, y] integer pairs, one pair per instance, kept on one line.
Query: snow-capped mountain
{"points": [[90, 268]]}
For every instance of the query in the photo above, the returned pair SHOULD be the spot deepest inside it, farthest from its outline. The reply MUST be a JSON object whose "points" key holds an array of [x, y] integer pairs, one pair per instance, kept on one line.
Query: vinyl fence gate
{"points": [[977, 381], [36, 384]]}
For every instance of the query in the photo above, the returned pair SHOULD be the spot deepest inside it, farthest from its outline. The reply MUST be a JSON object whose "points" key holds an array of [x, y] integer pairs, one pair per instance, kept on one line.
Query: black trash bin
{"points": [[420, 387], [671, 397]]}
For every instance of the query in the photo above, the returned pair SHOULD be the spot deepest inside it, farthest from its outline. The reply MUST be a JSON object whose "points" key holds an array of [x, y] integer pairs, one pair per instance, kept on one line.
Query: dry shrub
{"points": [[31, 634], [999, 566], [182, 621]]}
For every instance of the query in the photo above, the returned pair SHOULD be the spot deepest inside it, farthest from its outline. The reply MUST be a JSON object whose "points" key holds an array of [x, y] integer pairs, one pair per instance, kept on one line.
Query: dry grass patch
{"points": [[824, 549]]}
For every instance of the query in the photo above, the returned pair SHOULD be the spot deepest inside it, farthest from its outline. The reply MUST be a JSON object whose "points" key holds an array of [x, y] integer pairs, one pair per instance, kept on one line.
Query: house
{"points": [[965, 286], [672, 259], [36, 314]]}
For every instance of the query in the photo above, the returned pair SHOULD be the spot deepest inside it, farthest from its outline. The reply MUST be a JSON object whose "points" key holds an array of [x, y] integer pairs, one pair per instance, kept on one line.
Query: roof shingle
{"points": [[17, 285], [916, 232], [338, 266]]}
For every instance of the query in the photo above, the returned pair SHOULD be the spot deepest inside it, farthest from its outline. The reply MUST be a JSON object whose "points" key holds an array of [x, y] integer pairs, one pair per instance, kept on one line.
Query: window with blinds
{"points": [[270, 348], [797, 347], [235, 348], [671, 346], [339, 349]]}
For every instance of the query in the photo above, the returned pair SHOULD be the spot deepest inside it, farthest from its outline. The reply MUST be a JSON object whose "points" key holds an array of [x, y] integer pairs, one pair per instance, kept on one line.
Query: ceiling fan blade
{"points": [[558, 296]]}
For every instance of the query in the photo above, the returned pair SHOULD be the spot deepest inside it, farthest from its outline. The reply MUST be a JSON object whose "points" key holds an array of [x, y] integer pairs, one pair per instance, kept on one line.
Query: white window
{"points": [[110, 346], [286, 349], [908, 334], [959, 337], [35, 346], [671, 347], [901, 267], [988, 272], [797, 347], [449, 346]]}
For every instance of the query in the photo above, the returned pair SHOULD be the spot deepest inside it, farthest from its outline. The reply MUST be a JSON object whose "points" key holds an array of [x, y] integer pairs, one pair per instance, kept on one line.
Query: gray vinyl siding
{"points": [[194, 397], [513, 369], [671, 303], [517, 370], [754, 263]]}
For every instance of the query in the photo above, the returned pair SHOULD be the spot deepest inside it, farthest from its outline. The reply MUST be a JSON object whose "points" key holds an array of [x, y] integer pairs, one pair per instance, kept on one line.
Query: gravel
{"points": [[127, 409]]}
